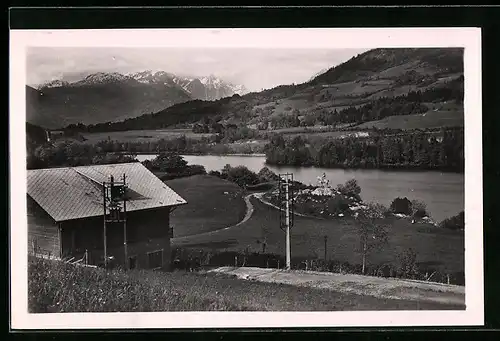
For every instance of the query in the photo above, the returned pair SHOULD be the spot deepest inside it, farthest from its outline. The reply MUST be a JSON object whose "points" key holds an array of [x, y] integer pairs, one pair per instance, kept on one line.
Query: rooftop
{"points": [[76, 192]]}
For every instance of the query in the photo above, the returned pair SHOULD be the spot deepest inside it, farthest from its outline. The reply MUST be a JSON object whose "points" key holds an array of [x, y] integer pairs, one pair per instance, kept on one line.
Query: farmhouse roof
{"points": [[76, 192]]}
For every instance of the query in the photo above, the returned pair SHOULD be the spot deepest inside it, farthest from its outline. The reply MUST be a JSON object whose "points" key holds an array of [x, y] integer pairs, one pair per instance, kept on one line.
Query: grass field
{"points": [[142, 135], [213, 203], [59, 287], [431, 119], [439, 248]]}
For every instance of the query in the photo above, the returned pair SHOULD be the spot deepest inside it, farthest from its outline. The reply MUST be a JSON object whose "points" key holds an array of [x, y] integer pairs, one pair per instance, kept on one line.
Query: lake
{"points": [[443, 193]]}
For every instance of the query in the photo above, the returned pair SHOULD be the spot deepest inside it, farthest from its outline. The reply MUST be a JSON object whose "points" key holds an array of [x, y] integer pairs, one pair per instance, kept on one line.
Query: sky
{"points": [[254, 68]]}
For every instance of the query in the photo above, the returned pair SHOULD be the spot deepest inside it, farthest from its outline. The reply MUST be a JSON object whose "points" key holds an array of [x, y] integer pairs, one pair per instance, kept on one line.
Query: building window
{"points": [[132, 262], [155, 259]]}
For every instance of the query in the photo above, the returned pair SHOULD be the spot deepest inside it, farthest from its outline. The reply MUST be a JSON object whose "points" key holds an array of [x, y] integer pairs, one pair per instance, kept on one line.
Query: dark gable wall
{"points": [[147, 231], [43, 231]]}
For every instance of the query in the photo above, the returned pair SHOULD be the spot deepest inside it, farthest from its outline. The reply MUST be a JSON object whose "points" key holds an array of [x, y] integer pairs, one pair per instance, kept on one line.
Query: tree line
{"points": [[416, 150]]}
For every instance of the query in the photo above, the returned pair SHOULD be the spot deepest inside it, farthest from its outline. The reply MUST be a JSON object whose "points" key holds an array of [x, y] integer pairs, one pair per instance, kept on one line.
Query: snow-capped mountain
{"points": [[112, 96], [54, 84], [205, 88], [102, 78]]}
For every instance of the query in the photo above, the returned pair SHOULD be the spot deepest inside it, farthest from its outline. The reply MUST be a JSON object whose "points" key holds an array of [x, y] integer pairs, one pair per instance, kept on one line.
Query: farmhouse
{"points": [[66, 215]]}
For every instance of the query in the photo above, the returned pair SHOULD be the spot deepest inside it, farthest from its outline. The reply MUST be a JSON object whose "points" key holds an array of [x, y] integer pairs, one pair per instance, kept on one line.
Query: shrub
{"points": [[419, 209], [408, 261], [338, 204], [166, 162], [401, 205], [265, 174], [240, 175], [350, 188], [454, 223], [214, 173]]}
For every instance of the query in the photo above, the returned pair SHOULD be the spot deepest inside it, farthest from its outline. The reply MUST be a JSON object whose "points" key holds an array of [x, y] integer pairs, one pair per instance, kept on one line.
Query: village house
{"points": [[66, 215]]}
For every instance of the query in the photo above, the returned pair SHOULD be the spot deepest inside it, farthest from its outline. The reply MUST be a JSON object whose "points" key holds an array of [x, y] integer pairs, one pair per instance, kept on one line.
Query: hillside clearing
{"points": [[142, 135], [431, 119]]}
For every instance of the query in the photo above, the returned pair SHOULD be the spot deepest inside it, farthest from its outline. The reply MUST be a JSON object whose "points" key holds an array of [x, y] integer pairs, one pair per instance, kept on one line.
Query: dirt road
{"points": [[356, 284]]}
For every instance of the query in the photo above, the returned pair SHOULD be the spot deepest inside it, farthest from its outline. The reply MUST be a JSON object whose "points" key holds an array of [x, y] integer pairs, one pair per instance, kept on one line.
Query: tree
{"points": [[401, 205], [240, 175], [418, 208], [408, 264], [372, 231], [168, 162], [350, 188]]}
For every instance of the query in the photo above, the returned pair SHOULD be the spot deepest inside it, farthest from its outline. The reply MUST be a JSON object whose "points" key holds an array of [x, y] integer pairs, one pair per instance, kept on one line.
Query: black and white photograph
{"points": [[291, 176]]}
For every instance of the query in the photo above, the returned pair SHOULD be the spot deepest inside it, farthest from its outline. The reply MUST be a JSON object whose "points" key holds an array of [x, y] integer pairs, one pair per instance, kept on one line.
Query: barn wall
{"points": [[43, 231], [147, 231]]}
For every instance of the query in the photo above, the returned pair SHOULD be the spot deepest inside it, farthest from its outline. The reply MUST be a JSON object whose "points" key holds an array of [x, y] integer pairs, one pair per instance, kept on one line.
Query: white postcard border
{"points": [[469, 38]]}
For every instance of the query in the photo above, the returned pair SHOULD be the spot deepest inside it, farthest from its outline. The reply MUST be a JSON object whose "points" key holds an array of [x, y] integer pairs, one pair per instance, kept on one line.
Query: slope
{"points": [[429, 74]]}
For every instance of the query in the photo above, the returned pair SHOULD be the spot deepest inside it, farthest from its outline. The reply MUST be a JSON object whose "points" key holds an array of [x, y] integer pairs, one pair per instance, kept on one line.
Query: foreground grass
{"points": [[58, 287], [437, 248], [213, 204]]}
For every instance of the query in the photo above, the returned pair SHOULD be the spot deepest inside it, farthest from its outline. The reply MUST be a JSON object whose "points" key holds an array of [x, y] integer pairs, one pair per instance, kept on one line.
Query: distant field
{"points": [[430, 119], [142, 135], [442, 249], [213, 204], [315, 131]]}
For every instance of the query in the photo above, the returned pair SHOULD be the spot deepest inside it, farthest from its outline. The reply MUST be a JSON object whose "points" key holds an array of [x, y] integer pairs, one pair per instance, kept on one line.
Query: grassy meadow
{"points": [[58, 287], [142, 135], [213, 204], [431, 119], [435, 248]]}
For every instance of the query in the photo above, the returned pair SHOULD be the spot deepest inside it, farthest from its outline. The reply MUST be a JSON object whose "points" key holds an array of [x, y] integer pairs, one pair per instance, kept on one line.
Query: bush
{"points": [[402, 206], [350, 189], [167, 162], [265, 174], [215, 173], [408, 261], [240, 175], [454, 223], [338, 204], [419, 209]]}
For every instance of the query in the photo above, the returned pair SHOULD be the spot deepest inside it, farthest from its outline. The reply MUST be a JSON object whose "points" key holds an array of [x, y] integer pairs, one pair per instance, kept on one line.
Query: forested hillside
{"points": [[369, 87]]}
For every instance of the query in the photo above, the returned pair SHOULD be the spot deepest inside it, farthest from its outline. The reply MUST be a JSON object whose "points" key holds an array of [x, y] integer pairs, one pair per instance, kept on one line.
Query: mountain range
{"points": [[154, 100], [103, 96], [403, 88]]}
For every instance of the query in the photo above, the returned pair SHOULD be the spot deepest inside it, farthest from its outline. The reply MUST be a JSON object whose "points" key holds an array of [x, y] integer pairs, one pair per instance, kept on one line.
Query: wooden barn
{"points": [[66, 216]]}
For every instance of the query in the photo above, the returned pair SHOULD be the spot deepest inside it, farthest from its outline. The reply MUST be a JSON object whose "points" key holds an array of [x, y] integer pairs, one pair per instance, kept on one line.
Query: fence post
{"points": [[448, 278], [235, 261]]}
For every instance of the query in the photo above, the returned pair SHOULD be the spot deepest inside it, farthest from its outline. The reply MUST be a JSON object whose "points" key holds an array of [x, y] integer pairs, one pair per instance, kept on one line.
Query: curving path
{"points": [[248, 215]]}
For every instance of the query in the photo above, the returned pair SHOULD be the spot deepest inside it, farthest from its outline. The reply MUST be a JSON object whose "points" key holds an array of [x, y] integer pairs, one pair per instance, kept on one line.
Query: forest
{"points": [[420, 150]]}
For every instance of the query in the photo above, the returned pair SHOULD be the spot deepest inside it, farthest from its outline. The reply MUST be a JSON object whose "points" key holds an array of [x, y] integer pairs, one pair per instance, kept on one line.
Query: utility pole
{"points": [[125, 223], [104, 227], [285, 181], [326, 239], [115, 211], [287, 223]]}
